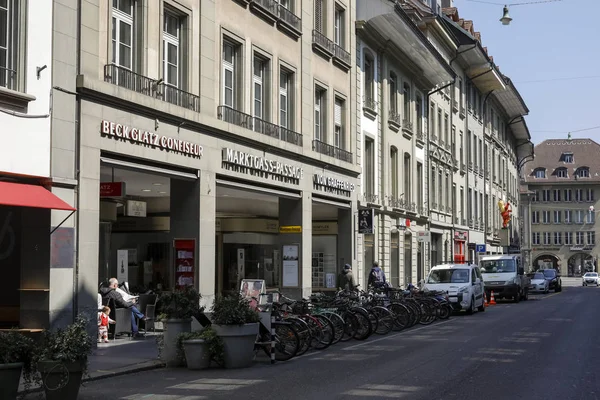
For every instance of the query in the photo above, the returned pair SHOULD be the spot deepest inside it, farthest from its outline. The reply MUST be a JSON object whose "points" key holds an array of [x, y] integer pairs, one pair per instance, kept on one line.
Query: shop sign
{"points": [[134, 135], [461, 235], [112, 189], [582, 248], [424, 236], [135, 208], [261, 166], [290, 229], [366, 220], [332, 184], [325, 228]]}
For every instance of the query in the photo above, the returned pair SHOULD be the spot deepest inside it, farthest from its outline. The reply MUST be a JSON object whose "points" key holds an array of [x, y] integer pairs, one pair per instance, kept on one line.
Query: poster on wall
{"points": [[185, 261], [330, 280], [290, 266], [123, 265]]}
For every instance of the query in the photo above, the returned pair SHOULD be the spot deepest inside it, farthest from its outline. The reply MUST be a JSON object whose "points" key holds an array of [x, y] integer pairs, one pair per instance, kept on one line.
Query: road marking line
{"points": [[547, 297]]}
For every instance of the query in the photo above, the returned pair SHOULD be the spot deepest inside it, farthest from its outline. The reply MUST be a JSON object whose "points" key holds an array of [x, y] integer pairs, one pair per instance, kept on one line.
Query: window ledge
{"points": [[15, 100]]}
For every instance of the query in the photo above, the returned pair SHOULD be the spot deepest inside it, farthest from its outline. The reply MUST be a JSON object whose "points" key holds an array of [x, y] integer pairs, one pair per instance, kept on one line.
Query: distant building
{"points": [[562, 186]]}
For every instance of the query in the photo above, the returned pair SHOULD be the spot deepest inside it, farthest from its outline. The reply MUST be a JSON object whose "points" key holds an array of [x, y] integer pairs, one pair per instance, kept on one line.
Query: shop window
{"points": [[324, 256]]}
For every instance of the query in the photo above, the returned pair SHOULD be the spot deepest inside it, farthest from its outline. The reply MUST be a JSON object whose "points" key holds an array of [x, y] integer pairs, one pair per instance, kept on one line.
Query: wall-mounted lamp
{"points": [[38, 70]]}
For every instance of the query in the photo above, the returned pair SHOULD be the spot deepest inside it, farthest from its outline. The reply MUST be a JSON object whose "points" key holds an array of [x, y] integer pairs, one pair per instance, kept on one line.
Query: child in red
{"points": [[103, 321]]}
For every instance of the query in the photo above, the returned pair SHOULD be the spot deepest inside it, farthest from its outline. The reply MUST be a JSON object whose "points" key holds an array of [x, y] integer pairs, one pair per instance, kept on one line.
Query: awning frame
{"points": [[63, 221]]}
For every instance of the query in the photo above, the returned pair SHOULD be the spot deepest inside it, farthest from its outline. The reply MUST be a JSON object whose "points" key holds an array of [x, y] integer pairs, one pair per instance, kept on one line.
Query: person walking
{"points": [[377, 276], [346, 279]]}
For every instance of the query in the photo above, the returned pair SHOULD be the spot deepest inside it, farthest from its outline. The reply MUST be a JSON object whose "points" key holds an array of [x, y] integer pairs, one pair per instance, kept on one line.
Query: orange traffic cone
{"points": [[485, 300], [492, 299]]}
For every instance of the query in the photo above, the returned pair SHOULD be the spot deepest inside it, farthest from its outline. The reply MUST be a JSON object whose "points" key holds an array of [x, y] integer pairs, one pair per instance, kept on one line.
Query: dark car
{"points": [[553, 279]]}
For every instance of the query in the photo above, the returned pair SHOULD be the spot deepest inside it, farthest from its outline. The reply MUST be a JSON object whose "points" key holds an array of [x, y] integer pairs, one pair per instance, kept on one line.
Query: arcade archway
{"points": [[546, 261], [581, 263]]}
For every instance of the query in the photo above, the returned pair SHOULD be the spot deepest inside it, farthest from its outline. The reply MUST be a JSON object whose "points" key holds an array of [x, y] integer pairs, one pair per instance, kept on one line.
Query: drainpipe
{"points": [[77, 169]]}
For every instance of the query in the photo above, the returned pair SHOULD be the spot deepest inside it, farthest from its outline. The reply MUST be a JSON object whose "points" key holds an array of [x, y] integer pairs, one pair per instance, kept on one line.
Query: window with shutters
{"points": [[286, 99], [440, 192], [420, 111], [433, 188], [419, 184], [319, 16], [320, 114], [369, 78], [339, 139], [122, 33], [231, 74], [394, 175]]}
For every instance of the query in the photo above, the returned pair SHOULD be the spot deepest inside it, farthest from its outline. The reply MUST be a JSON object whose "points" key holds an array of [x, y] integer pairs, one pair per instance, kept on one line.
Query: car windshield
{"points": [[449, 276], [538, 276], [549, 273], [492, 266], [591, 274]]}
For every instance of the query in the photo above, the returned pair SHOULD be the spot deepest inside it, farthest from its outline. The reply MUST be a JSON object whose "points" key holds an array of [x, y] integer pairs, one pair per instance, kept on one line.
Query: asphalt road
{"points": [[545, 348]]}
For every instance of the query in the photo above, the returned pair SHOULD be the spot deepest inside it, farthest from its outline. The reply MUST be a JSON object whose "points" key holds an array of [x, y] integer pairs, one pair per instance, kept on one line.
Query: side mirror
{"points": [[521, 271]]}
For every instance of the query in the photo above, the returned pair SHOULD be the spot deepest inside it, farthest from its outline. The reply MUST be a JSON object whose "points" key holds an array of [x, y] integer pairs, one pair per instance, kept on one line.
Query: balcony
{"points": [[471, 223], [434, 138], [464, 222], [434, 206], [341, 57], [266, 9], [470, 166], [407, 128], [412, 207], [394, 120], [395, 202], [370, 107], [130, 80], [462, 111], [448, 146], [420, 139], [442, 144], [371, 198], [289, 22], [332, 151], [322, 45], [266, 128]]}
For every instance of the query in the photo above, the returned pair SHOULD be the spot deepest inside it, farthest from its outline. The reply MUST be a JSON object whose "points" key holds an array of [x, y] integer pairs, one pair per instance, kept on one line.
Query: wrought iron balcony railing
{"points": [[332, 151]]}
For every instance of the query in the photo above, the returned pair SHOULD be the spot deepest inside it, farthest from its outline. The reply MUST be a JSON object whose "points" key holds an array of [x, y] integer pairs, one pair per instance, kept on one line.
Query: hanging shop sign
{"points": [[461, 236], [366, 219], [261, 166], [333, 185], [152, 139]]}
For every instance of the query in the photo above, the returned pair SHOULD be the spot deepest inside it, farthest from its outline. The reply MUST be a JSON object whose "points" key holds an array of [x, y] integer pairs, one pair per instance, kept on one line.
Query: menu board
{"points": [[185, 261]]}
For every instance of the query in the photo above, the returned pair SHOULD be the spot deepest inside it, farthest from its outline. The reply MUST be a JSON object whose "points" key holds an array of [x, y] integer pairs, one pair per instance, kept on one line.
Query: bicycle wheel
{"points": [[287, 342], [304, 334], [351, 324], [338, 325], [402, 316], [385, 320], [365, 328], [328, 332]]}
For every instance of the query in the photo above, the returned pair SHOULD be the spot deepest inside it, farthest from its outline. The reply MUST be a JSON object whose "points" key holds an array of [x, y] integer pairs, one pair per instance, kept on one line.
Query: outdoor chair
{"points": [[147, 305]]}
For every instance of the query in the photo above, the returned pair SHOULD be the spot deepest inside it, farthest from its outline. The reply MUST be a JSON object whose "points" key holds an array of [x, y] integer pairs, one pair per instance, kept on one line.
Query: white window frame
{"points": [[119, 17], [285, 103], [558, 238], [547, 238], [169, 39], [578, 195], [535, 217], [338, 26], [568, 195], [319, 108], [535, 238], [9, 72], [557, 215], [591, 238], [568, 238], [258, 87], [568, 217], [229, 67], [546, 216], [579, 238], [540, 173], [338, 120], [589, 196]]}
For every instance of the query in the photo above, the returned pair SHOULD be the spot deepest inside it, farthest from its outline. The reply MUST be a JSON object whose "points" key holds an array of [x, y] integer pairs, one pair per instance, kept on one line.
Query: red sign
{"points": [[112, 189], [185, 262], [461, 235]]}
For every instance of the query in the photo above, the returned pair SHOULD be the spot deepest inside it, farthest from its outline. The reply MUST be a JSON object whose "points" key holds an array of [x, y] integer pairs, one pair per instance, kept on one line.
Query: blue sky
{"points": [[547, 41]]}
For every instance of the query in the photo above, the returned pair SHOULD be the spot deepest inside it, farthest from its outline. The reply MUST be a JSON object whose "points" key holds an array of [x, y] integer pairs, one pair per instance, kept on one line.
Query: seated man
{"points": [[111, 293]]}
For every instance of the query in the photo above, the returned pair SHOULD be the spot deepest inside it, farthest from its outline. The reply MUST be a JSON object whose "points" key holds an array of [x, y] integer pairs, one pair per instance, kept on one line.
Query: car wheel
{"points": [[526, 295], [471, 309], [481, 308]]}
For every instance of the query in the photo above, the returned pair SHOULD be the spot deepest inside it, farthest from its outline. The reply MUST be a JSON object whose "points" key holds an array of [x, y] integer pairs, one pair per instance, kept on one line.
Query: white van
{"points": [[463, 282], [505, 276]]}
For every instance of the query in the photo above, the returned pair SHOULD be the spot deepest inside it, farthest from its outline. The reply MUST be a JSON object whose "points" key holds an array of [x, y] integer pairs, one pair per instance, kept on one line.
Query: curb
{"points": [[144, 366]]}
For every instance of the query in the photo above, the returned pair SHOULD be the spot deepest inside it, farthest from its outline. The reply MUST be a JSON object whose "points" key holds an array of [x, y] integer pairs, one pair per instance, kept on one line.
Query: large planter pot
{"points": [[238, 343], [61, 380], [10, 375], [197, 354], [172, 329]]}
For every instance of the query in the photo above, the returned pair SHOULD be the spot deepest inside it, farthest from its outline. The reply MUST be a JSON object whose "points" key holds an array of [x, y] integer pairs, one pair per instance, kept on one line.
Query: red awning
{"points": [[22, 195]]}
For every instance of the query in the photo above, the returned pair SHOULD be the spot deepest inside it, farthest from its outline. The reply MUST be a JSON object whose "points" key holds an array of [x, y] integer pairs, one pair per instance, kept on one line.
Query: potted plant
{"points": [[237, 324], [176, 310], [199, 348], [62, 359], [16, 357]]}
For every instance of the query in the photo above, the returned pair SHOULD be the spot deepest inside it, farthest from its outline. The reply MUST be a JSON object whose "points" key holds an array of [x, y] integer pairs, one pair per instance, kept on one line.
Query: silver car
{"points": [[539, 283], [590, 278]]}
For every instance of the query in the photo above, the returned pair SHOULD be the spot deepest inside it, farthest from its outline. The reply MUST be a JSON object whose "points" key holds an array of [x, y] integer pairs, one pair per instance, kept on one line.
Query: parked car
{"points": [[462, 282], [539, 283], [553, 278], [590, 278]]}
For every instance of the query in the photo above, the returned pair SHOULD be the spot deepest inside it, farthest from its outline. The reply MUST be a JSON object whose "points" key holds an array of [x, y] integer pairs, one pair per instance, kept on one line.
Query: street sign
{"points": [[424, 236], [480, 248]]}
